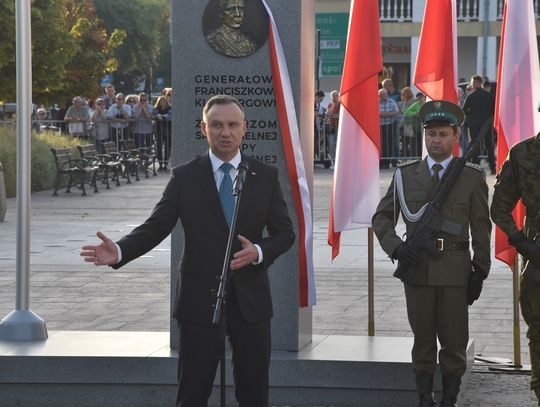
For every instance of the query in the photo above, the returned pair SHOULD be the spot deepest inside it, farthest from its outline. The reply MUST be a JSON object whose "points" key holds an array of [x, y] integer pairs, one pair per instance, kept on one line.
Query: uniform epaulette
{"points": [[405, 164], [474, 166]]}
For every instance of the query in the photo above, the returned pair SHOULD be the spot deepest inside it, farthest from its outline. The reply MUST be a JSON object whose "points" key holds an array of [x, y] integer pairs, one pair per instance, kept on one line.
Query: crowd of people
{"points": [[326, 126], [115, 117], [400, 125], [401, 130]]}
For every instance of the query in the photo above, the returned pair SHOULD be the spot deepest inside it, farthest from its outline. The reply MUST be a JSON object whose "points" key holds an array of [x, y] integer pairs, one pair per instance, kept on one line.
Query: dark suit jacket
{"points": [[479, 105], [191, 197]]}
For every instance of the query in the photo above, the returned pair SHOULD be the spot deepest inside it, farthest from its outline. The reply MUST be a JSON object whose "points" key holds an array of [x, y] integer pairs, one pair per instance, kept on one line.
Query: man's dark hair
{"points": [[221, 100], [319, 93], [477, 78]]}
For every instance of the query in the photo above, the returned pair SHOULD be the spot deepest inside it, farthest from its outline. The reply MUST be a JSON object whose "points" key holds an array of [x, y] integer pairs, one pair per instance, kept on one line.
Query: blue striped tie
{"points": [[225, 192]]}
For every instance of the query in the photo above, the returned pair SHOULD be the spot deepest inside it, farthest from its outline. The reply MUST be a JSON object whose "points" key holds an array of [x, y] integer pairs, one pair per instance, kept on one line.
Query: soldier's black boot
{"points": [[450, 385], [424, 387]]}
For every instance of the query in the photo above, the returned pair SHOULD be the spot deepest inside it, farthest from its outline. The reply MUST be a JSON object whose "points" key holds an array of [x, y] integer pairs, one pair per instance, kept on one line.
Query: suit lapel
{"points": [[207, 182]]}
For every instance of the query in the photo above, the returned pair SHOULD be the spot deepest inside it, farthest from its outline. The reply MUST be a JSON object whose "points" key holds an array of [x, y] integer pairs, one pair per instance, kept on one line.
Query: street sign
{"points": [[333, 28]]}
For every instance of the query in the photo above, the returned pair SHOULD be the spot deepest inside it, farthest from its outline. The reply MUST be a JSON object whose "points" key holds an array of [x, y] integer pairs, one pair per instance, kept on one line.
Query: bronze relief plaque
{"points": [[235, 28]]}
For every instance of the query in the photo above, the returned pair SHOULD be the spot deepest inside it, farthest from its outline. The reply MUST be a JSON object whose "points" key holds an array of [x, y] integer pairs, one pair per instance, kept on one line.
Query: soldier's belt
{"points": [[445, 245]]}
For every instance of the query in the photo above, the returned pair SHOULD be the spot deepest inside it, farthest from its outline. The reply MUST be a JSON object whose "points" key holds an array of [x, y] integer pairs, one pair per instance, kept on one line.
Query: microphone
{"points": [[240, 179]]}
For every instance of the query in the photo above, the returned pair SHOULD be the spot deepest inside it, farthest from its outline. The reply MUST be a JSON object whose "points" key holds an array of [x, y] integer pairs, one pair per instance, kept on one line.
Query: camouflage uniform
{"points": [[520, 178]]}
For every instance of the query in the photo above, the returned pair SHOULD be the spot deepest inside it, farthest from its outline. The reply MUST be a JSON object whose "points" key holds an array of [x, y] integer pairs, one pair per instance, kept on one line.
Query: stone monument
{"points": [[222, 47]]}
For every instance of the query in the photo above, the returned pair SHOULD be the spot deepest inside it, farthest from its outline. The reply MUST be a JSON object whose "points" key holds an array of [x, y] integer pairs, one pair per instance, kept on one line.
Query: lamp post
{"points": [[22, 324]]}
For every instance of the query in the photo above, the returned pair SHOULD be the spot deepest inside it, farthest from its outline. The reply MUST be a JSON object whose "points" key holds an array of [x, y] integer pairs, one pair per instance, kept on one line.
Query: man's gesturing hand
{"points": [[102, 255], [247, 255]]}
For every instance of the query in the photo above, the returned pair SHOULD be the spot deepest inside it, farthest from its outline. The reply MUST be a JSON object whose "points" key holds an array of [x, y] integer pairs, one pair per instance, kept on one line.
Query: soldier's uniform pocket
{"points": [[416, 198]]}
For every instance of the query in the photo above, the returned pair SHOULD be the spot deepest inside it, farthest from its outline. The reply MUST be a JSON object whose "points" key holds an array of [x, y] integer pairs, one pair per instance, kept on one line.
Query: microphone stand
{"points": [[219, 310]]}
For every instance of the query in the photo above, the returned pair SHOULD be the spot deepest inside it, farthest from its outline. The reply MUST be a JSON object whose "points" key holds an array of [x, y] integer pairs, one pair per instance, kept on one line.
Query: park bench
{"points": [[146, 155], [129, 160], [78, 171], [108, 167]]}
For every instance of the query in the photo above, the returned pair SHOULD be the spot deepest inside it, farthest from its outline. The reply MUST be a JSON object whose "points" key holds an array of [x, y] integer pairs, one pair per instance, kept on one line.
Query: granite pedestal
{"points": [[117, 369]]}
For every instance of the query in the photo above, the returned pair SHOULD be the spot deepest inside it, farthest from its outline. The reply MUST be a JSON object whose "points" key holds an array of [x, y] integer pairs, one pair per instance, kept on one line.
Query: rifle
{"points": [[432, 223]]}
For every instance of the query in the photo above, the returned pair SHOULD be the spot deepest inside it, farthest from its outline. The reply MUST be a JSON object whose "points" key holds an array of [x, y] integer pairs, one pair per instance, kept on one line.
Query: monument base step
{"points": [[116, 369]]}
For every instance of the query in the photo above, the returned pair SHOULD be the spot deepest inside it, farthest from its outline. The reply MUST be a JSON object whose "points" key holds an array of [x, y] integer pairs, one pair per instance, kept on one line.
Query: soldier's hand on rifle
{"points": [[474, 288], [525, 246], [405, 254]]}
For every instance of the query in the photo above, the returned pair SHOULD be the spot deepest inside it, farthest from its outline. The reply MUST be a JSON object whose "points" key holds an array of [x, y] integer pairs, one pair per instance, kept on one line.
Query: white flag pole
{"points": [[22, 324]]}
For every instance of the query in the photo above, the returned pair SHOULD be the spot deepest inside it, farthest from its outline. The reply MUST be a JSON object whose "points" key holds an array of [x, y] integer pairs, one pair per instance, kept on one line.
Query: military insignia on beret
{"points": [[441, 112]]}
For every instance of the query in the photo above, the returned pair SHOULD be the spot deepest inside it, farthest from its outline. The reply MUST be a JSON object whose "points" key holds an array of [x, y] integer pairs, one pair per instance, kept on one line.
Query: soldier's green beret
{"points": [[441, 112]]}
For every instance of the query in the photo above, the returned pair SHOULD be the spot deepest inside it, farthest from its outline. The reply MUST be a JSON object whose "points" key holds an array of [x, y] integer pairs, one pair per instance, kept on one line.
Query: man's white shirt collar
{"points": [[216, 162], [444, 163]]}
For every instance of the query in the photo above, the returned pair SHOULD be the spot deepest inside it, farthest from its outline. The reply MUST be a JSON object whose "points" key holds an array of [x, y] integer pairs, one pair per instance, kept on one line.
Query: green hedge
{"points": [[43, 167]]}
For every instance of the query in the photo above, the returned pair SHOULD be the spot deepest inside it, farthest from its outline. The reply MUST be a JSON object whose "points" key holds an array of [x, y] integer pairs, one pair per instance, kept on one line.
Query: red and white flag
{"points": [[295, 162], [356, 190], [518, 93], [435, 72]]}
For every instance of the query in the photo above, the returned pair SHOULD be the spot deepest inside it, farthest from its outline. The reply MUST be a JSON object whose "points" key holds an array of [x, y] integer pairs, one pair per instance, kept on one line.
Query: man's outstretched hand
{"points": [[104, 254]]}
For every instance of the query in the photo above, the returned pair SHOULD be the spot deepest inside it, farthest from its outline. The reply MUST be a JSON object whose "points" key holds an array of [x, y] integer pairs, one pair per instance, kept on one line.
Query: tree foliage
{"points": [[52, 50], [7, 36], [94, 51], [71, 50], [147, 24]]}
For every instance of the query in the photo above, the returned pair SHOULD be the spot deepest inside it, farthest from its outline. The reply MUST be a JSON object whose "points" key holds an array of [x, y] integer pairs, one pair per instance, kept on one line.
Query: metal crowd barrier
{"points": [[158, 138], [402, 140]]}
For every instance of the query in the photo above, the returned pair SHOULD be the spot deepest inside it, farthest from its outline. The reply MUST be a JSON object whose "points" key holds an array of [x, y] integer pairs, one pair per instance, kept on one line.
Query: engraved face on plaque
{"points": [[235, 28]]}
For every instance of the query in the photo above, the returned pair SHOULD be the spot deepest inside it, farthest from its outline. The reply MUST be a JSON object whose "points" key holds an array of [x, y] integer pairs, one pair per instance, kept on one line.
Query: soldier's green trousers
{"points": [[438, 312], [529, 299]]}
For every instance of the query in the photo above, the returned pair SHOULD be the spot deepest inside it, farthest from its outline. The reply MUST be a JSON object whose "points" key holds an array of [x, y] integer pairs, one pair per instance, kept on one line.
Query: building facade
{"points": [[478, 27]]}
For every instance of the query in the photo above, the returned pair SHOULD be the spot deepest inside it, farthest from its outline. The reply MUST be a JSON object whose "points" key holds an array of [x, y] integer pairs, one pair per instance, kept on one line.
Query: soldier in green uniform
{"points": [[442, 287], [518, 178]]}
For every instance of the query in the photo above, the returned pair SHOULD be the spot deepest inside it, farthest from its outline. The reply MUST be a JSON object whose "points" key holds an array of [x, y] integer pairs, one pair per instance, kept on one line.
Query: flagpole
{"points": [[22, 324], [371, 285], [517, 333]]}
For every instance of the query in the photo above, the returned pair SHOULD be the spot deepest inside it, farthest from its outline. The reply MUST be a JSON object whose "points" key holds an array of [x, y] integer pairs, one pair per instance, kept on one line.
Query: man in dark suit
{"points": [[197, 196], [479, 106]]}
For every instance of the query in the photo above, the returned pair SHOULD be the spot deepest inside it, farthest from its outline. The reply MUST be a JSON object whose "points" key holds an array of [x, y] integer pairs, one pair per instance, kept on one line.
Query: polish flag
{"points": [[292, 148], [518, 92], [355, 192], [435, 72]]}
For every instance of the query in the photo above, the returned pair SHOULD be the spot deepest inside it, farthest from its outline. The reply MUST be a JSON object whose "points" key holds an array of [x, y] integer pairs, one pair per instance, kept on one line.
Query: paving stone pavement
{"points": [[72, 295]]}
